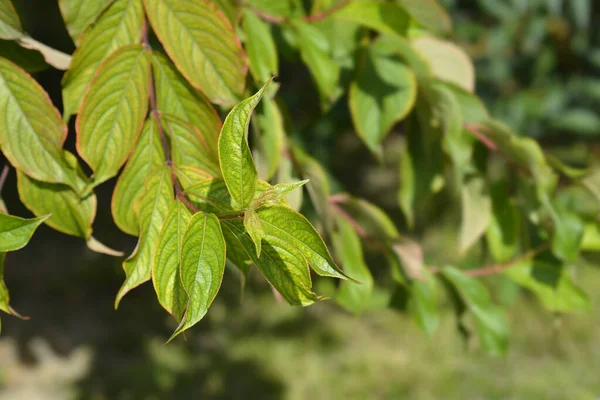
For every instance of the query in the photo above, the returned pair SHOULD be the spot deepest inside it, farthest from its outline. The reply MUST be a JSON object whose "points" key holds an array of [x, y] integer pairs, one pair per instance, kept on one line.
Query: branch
{"points": [[3, 176]]}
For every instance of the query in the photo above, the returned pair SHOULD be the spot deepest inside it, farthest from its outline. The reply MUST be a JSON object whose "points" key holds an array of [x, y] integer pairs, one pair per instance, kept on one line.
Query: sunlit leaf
{"points": [[79, 14], [119, 26], [166, 270], [31, 130], [113, 111], [189, 176], [237, 164], [384, 17], [202, 266], [276, 193], [354, 296], [152, 209], [262, 53], [382, 94], [15, 232], [146, 157], [203, 45], [10, 25]]}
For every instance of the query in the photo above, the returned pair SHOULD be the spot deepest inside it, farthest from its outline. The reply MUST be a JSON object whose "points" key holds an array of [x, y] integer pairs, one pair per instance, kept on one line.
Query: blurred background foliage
{"points": [[538, 69]]}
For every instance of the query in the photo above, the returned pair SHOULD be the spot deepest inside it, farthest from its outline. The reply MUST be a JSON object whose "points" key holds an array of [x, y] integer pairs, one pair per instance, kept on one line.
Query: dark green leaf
{"points": [[502, 234], [424, 303]]}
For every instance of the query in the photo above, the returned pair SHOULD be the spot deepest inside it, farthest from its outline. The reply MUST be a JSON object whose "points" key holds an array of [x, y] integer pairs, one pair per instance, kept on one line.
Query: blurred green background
{"points": [[538, 64]]}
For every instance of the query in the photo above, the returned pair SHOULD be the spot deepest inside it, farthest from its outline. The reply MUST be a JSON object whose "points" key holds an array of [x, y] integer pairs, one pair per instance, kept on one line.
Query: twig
{"points": [[268, 17], [3, 176], [487, 142]]}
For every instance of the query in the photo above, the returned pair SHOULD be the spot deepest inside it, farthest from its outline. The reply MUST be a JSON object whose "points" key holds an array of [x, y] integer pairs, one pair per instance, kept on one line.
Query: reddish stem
{"points": [[487, 142], [3, 176]]}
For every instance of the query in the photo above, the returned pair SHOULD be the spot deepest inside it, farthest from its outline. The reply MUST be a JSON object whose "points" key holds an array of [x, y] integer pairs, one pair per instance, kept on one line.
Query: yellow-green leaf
{"points": [[166, 270], [120, 25], [113, 111], [16, 232], [476, 212], [382, 94], [146, 157], [152, 209], [237, 164], [79, 14], [202, 266], [31, 130], [10, 25], [203, 45], [262, 53], [189, 176], [430, 14], [384, 17], [174, 96], [254, 229]]}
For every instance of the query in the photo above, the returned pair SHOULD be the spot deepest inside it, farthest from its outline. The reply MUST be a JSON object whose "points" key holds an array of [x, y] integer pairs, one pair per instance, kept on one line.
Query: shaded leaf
{"points": [[568, 230], [119, 26], [203, 45], [113, 111], [260, 46], [31, 61], [16, 232], [237, 164], [166, 269], [370, 217], [202, 266], [146, 157], [79, 14], [502, 234], [152, 210], [476, 212]]}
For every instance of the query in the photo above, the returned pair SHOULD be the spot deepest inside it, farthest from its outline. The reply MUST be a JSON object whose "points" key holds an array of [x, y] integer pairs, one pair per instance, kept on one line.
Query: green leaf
{"points": [[502, 234], [413, 59], [281, 263], [188, 145], [472, 108], [16, 232], [568, 230], [262, 53], [275, 194], [237, 164], [382, 94], [146, 157], [316, 54], [551, 283], [287, 225], [152, 210], [31, 130], [119, 26], [189, 176], [166, 269], [113, 111], [271, 138], [383, 17], [10, 25], [591, 237], [229, 8], [174, 96], [490, 320], [448, 61], [278, 8], [70, 213], [353, 296], [202, 266], [476, 212], [408, 188], [424, 303], [370, 217], [203, 45], [430, 14], [79, 14], [254, 228]]}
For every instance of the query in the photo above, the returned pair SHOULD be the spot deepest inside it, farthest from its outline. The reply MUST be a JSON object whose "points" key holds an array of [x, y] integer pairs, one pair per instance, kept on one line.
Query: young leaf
{"points": [[15, 232], [383, 17], [289, 226], [10, 25], [476, 212], [113, 111], [254, 228], [166, 270], [490, 320], [237, 164], [189, 146], [352, 295], [174, 96], [31, 130], [315, 52], [152, 210], [430, 14], [194, 34], [275, 194], [449, 62], [79, 14], [271, 138], [260, 46], [383, 93], [202, 266], [70, 214], [146, 157], [119, 26], [281, 263]]}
